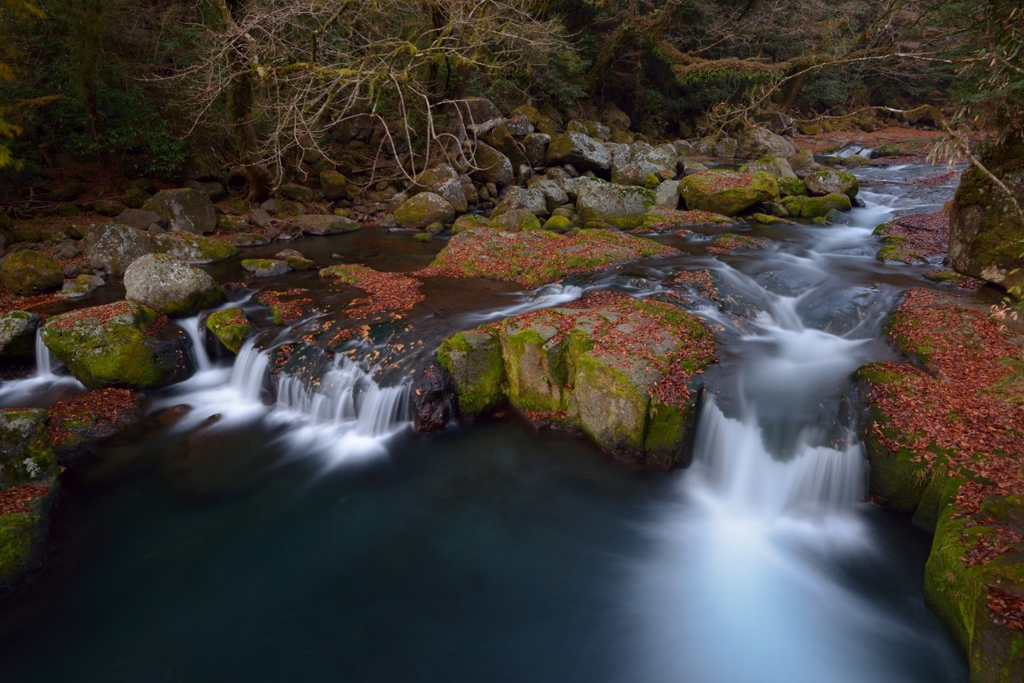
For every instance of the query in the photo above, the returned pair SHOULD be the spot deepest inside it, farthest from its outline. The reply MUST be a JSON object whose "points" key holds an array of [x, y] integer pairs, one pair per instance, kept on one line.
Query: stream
{"points": [[316, 537]]}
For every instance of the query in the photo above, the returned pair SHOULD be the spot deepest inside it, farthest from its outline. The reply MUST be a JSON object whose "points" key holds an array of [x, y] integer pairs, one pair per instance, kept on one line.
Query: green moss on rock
{"points": [[29, 272], [727, 192], [230, 327], [119, 345]]}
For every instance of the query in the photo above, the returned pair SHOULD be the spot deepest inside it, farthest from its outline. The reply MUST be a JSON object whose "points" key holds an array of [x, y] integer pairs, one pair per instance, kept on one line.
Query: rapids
{"points": [[291, 526]]}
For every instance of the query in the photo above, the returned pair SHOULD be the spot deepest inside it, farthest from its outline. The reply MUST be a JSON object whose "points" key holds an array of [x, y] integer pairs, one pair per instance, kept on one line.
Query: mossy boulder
{"points": [[266, 267], [826, 182], [18, 334], [473, 359], [619, 370], [29, 272], [124, 344], [136, 198], [816, 207], [517, 220], [107, 208], [170, 286], [297, 193], [320, 225], [727, 192], [789, 187], [601, 204], [423, 209], [558, 224], [469, 221], [28, 475], [760, 142], [185, 210], [333, 184], [986, 234], [492, 166], [232, 224], [195, 249], [442, 180], [230, 327], [777, 166]]}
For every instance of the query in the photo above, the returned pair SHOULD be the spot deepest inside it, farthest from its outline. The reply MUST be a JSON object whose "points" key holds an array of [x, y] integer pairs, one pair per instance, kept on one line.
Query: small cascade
{"points": [[45, 361], [195, 333], [347, 395], [742, 473], [547, 296], [249, 371]]}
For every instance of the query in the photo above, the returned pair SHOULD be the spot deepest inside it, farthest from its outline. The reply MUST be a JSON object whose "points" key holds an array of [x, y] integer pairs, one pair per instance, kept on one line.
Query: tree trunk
{"points": [[240, 115]]}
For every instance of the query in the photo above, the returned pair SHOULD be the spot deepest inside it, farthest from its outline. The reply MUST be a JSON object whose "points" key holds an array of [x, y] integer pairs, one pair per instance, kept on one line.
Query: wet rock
{"points": [[245, 239], [169, 285], [777, 166], [620, 370], [184, 210], [29, 272], [726, 192], [18, 334], [827, 182], [432, 394], [264, 267], [124, 344], [230, 327], [816, 207], [28, 490], [319, 225]]}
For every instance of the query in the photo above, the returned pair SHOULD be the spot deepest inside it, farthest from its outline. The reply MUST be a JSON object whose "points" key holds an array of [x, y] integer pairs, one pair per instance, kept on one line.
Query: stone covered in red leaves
{"points": [[914, 239], [944, 440], [388, 292], [619, 369], [75, 424], [537, 257]]}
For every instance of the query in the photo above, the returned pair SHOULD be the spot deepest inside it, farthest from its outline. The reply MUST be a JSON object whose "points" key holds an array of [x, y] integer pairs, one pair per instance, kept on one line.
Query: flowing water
{"points": [[290, 526]]}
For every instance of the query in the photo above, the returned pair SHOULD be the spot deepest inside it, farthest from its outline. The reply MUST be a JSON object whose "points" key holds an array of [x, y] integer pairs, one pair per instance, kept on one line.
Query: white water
{"points": [[744, 583], [547, 296], [346, 418], [45, 381]]}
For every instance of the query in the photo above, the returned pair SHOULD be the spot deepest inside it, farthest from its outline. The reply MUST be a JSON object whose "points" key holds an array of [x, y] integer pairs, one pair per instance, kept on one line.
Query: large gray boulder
{"points": [[441, 180], [492, 166], [606, 204], [826, 182], [580, 150], [518, 198], [663, 156], [554, 195], [18, 334], [184, 210], [112, 247], [424, 209], [642, 174], [667, 194], [761, 142], [171, 286]]}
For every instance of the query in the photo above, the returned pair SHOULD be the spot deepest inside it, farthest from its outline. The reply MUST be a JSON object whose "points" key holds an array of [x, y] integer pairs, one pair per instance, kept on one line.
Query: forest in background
{"points": [[172, 89]]}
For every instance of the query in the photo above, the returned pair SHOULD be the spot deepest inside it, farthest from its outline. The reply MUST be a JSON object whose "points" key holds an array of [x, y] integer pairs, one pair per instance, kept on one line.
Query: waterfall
{"points": [[194, 330], [45, 362], [248, 372]]}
